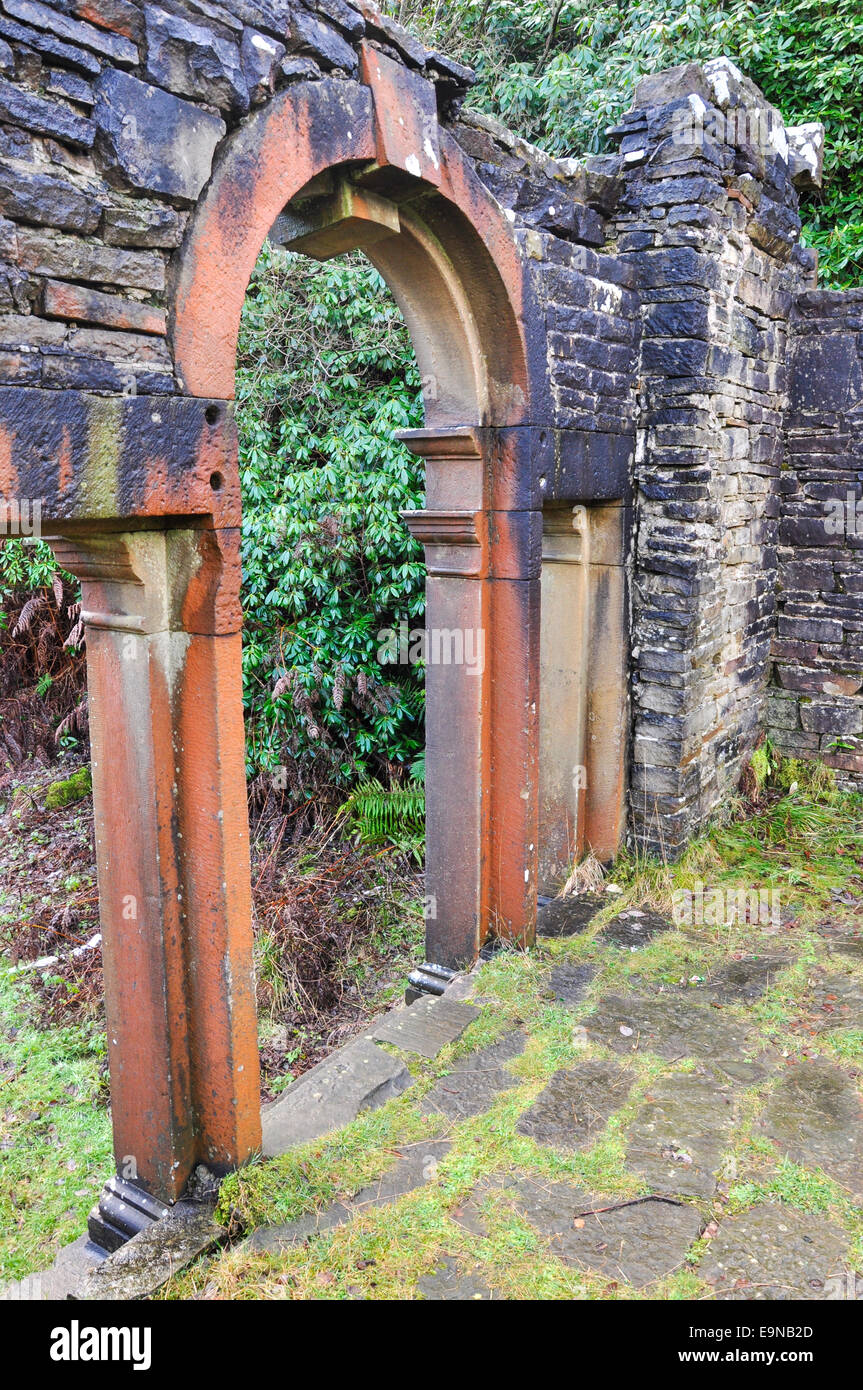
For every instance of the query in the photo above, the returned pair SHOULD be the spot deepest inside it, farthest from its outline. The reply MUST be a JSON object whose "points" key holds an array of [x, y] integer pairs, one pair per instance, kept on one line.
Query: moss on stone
{"points": [[70, 790]]}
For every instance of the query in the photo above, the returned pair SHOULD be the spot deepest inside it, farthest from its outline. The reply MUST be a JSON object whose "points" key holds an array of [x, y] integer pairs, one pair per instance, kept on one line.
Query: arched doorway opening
{"points": [[333, 597], [339, 164]]}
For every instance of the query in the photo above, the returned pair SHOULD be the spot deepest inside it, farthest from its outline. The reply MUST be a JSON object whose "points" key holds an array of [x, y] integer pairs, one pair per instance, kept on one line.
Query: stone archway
{"points": [[144, 507], [608, 404], [451, 259]]}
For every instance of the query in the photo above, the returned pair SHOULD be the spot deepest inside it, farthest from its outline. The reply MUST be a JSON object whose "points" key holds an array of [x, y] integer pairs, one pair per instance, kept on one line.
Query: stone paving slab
{"points": [[476, 1082], [775, 1252], [417, 1165], [841, 941], [838, 1002], [568, 984], [71, 1267], [451, 1282], [638, 1241], [150, 1258], [357, 1077], [463, 986], [850, 946], [744, 1073], [272, 1240], [680, 1134], [575, 1106], [741, 981], [568, 916], [633, 929], [673, 1025], [814, 1116], [468, 1214], [427, 1026]]}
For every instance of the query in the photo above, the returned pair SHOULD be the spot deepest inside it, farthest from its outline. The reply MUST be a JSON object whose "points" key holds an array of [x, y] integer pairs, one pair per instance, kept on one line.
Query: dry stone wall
{"points": [[815, 705], [677, 298], [562, 210], [709, 227]]}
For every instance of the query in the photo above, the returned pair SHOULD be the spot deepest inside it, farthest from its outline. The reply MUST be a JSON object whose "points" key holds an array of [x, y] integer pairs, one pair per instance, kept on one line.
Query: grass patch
{"points": [[315, 1174], [843, 1045], [807, 1189], [56, 1132], [799, 836]]}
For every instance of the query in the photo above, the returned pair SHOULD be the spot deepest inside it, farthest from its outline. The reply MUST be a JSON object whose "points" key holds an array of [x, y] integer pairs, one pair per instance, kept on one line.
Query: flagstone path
{"points": [[744, 1156], [629, 1111]]}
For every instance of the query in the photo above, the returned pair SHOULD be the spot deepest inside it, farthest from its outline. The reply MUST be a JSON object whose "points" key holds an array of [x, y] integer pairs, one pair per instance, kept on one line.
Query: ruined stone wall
{"points": [[111, 115], [666, 275], [561, 209], [672, 287], [708, 223], [815, 705], [669, 285]]}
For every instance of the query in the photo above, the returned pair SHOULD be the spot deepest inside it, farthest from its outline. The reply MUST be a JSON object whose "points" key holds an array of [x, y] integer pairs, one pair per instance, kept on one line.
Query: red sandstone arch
{"points": [[455, 268], [160, 567], [459, 277]]}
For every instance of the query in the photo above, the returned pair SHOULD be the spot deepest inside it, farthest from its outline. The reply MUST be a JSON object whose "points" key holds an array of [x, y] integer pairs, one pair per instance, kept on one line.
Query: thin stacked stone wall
{"points": [[815, 704], [708, 222]]}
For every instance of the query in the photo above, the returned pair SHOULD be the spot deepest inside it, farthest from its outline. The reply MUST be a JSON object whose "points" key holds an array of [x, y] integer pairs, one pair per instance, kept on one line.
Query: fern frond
{"points": [[377, 814]]}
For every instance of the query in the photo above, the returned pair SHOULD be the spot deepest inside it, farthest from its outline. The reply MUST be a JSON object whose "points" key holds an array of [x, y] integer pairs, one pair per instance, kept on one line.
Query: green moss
{"points": [[70, 790]]}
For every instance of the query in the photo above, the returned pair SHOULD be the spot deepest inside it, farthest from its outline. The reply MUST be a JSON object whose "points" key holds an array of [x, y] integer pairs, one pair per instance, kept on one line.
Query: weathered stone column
{"points": [[162, 617], [456, 729], [565, 633], [482, 626]]}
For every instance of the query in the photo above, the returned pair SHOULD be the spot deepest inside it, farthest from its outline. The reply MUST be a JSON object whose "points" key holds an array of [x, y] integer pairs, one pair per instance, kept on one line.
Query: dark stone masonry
{"points": [[815, 706], [696, 373], [690, 354], [643, 463]]}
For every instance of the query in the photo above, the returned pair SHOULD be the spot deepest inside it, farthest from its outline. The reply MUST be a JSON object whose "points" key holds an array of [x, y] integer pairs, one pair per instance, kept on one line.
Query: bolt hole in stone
{"points": [[217, 482], [211, 414]]}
